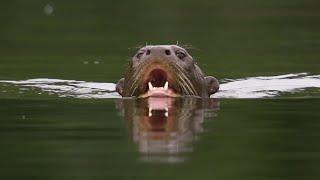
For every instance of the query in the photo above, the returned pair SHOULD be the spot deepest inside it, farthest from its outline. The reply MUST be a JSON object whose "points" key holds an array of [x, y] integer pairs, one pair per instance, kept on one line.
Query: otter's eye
{"points": [[139, 54], [181, 54]]}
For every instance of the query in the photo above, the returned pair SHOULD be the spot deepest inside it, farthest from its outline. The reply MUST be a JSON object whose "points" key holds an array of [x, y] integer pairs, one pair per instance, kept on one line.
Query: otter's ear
{"points": [[212, 84], [119, 86]]}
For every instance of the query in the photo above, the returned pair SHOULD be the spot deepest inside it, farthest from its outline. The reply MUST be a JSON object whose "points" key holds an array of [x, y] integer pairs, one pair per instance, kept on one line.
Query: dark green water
{"points": [[43, 136], [86, 139]]}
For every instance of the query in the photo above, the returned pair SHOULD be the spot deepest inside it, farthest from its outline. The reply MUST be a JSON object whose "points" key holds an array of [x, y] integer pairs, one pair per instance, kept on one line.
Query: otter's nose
{"points": [[158, 52]]}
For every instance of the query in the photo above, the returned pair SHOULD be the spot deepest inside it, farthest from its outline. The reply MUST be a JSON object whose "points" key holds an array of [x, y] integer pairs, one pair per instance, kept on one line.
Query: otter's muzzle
{"points": [[159, 52]]}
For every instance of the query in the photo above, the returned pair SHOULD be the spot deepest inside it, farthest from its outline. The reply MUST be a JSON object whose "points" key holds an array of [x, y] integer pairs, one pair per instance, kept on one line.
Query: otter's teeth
{"points": [[166, 86], [150, 86], [167, 111]]}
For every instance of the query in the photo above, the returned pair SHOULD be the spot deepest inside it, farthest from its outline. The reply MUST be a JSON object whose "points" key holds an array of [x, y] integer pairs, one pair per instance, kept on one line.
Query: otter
{"points": [[165, 71]]}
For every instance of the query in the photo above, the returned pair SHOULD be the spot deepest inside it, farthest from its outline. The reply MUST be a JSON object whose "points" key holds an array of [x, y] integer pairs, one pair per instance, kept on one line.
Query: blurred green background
{"points": [[231, 39]]}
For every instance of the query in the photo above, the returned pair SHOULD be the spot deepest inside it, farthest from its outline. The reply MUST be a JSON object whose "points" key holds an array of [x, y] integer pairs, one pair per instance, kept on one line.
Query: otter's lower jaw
{"points": [[164, 91]]}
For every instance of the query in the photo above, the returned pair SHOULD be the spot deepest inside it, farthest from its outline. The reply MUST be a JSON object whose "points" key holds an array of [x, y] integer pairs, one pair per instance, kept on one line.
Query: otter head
{"points": [[165, 71]]}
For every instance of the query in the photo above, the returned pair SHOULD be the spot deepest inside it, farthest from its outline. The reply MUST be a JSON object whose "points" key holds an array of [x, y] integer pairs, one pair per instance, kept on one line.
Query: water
{"points": [[250, 138], [251, 87], [61, 119]]}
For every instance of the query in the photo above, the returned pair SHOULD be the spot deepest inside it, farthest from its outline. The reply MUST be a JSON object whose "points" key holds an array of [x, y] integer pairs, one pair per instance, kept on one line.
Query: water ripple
{"points": [[250, 87]]}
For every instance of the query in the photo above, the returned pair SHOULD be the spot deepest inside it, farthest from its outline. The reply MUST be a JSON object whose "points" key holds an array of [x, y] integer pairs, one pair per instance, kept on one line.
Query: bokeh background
{"points": [[94, 40]]}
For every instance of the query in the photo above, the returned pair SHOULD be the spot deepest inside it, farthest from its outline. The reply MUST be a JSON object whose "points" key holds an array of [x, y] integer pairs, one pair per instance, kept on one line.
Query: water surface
{"points": [[66, 138]]}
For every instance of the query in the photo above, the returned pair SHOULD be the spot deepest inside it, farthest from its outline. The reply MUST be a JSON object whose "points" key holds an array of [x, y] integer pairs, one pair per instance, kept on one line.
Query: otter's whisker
{"points": [[185, 78], [135, 77], [185, 85]]}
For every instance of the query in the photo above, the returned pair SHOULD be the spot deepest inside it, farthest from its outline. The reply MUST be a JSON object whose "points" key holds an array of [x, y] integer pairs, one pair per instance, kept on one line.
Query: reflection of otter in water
{"points": [[164, 128], [166, 71]]}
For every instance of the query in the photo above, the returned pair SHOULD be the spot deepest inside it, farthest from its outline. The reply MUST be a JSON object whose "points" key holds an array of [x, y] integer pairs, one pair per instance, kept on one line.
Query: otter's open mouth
{"points": [[159, 83]]}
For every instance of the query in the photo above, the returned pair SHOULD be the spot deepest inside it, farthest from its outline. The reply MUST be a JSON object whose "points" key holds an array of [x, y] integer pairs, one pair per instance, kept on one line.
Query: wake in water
{"points": [[267, 86], [251, 87]]}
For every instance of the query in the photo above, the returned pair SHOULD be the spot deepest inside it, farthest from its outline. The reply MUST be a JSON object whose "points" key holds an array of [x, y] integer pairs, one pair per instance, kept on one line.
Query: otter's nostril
{"points": [[168, 52], [148, 52]]}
